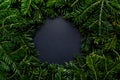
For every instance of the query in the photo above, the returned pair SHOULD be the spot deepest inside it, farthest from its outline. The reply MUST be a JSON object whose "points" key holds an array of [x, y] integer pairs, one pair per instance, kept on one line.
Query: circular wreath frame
{"points": [[18, 26]]}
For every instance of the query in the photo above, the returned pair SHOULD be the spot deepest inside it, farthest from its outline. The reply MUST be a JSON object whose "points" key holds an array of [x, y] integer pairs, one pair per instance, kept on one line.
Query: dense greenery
{"points": [[97, 20]]}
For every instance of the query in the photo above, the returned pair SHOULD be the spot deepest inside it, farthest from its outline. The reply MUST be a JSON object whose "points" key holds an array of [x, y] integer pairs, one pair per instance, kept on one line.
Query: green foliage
{"points": [[97, 20], [101, 67]]}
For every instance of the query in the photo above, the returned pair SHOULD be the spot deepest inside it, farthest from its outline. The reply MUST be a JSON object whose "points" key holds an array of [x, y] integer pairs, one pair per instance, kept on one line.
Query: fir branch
{"points": [[85, 16], [91, 25], [90, 63], [9, 62], [25, 6], [23, 60], [5, 4], [116, 53], [111, 70], [87, 9], [4, 42], [17, 50], [8, 17], [100, 16], [74, 3]]}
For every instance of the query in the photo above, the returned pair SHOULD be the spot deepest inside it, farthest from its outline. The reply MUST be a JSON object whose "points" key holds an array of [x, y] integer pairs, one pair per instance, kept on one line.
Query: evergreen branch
{"points": [[4, 42], [74, 3], [106, 66], [113, 10], [116, 53], [14, 24], [112, 69], [17, 50], [2, 76], [23, 59], [100, 16], [10, 16], [23, 41], [5, 4], [30, 29], [94, 4], [90, 64], [11, 76], [25, 6], [50, 3], [93, 23], [7, 60], [3, 26], [93, 68], [112, 42], [10, 25], [28, 7]]}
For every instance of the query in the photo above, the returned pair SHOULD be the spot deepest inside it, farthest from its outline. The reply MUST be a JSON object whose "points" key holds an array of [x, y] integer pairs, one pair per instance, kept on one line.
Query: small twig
{"points": [[74, 3]]}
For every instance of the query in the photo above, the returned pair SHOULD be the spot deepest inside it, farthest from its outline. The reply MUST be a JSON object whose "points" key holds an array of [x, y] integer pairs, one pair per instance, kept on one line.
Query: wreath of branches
{"points": [[97, 20]]}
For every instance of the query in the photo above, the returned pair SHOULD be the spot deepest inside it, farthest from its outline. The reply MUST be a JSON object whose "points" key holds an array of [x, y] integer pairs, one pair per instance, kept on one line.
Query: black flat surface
{"points": [[57, 41]]}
